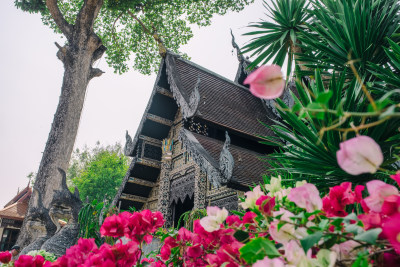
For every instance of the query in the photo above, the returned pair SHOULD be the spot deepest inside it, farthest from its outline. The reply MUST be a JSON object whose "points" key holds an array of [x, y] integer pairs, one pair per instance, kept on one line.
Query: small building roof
{"points": [[17, 207], [15, 211]]}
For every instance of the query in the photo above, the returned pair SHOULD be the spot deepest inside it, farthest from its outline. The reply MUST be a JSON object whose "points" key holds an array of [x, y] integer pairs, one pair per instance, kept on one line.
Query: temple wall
{"points": [[180, 176]]}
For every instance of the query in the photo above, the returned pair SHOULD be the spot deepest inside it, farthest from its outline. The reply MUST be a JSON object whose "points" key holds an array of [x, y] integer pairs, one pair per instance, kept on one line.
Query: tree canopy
{"points": [[97, 172], [135, 29]]}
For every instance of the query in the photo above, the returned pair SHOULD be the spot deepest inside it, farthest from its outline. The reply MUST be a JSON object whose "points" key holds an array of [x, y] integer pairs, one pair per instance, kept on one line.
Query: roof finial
{"points": [[239, 55]]}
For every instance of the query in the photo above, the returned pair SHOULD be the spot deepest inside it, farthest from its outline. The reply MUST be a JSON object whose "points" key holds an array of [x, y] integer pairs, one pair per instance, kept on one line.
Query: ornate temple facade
{"points": [[198, 142]]}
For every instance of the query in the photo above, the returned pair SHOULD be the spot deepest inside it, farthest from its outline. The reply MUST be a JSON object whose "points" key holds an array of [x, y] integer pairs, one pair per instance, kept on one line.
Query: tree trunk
{"points": [[83, 49]]}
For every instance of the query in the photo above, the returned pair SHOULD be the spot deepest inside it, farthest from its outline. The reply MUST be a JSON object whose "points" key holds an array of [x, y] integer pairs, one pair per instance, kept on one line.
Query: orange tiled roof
{"points": [[15, 211]]}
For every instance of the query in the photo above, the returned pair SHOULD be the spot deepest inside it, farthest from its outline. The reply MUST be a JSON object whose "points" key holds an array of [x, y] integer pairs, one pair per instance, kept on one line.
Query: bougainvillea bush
{"points": [[281, 227]]}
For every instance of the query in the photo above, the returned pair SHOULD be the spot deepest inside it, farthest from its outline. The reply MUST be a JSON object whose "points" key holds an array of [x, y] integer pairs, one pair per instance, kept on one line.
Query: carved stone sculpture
{"points": [[226, 161], [65, 206], [39, 224], [128, 149]]}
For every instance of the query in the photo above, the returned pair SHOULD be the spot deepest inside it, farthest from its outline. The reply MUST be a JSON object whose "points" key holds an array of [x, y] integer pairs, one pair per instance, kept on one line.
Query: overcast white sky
{"points": [[30, 85]]}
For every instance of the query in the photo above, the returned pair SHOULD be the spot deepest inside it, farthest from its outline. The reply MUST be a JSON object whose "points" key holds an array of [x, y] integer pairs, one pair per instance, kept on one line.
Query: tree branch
{"points": [[87, 15], [161, 48], [59, 19]]}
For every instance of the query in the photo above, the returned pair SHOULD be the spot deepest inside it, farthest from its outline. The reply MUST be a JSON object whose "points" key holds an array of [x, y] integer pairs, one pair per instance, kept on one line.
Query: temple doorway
{"points": [[179, 207]]}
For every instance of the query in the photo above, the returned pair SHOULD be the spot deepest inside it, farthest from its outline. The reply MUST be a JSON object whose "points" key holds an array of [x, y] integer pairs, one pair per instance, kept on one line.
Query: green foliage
{"points": [[46, 255], [369, 236], [310, 240], [31, 6], [89, 221], [309, 146], [189, 217], [355, 28], [257, 249], [389, 73], [277, 40], [127, 40], [97, 172]]}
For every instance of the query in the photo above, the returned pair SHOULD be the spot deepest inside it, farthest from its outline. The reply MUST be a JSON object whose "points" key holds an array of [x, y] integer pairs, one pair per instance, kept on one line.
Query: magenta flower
{"points": [[5, 257], [29, 261], [396, 177], [378, 191], [391, 230], [359, 155], [266, 82], [266, 204], [306, 197]]}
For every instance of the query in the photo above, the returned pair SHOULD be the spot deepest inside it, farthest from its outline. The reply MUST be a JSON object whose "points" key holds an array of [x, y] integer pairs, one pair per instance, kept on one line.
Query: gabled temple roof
{"points": [[246, 166], [221, 101], [21, 196], [18, 206]]}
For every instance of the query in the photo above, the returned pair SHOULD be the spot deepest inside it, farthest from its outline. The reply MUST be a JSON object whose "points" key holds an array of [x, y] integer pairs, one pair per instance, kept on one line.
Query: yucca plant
{"points": [[310, 132], [278, 40], [349, 29], [389, 73]]}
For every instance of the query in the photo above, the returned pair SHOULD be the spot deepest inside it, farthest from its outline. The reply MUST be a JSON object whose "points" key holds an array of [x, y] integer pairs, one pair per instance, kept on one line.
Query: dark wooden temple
{"points": [[198, 142]]}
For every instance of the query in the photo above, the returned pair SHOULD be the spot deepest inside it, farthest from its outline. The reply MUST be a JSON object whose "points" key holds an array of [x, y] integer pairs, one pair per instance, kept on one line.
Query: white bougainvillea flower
{"points": [[251, 198], [266, 82], [274, 185], [359, 155], [215, 216]]}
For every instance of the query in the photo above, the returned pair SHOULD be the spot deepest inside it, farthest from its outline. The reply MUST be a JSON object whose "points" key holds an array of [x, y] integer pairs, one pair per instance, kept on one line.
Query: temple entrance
{"points": [[178, 208]]}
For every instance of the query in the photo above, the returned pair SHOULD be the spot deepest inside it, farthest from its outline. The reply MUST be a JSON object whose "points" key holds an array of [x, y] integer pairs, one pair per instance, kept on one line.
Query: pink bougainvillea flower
{"points": [[391, 205], [194, 251], [266, 82], [346, 250], [5, 257], [287, 231], [233, 221], [267, 262], [306, 197], [339, 197], [29, 261], [391, 230], [371, 220], [215, 216], [294, 252], [114, 225], [266, 204], [359, 155], [378, 191], [251, 198], [396, 177]]}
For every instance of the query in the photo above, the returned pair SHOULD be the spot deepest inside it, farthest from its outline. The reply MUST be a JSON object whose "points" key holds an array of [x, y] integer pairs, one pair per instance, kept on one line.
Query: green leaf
{"points": [[324, 97], [280, 224], [323, 223], [241, 236], [292, 36], [257, 249], [369, 236], [351, 216], [354, 229], [309, 241]]}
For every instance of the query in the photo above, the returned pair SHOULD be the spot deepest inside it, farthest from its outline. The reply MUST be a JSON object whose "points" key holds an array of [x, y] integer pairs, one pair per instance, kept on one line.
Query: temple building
{"points": [[11, 218], [198, 142]]}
